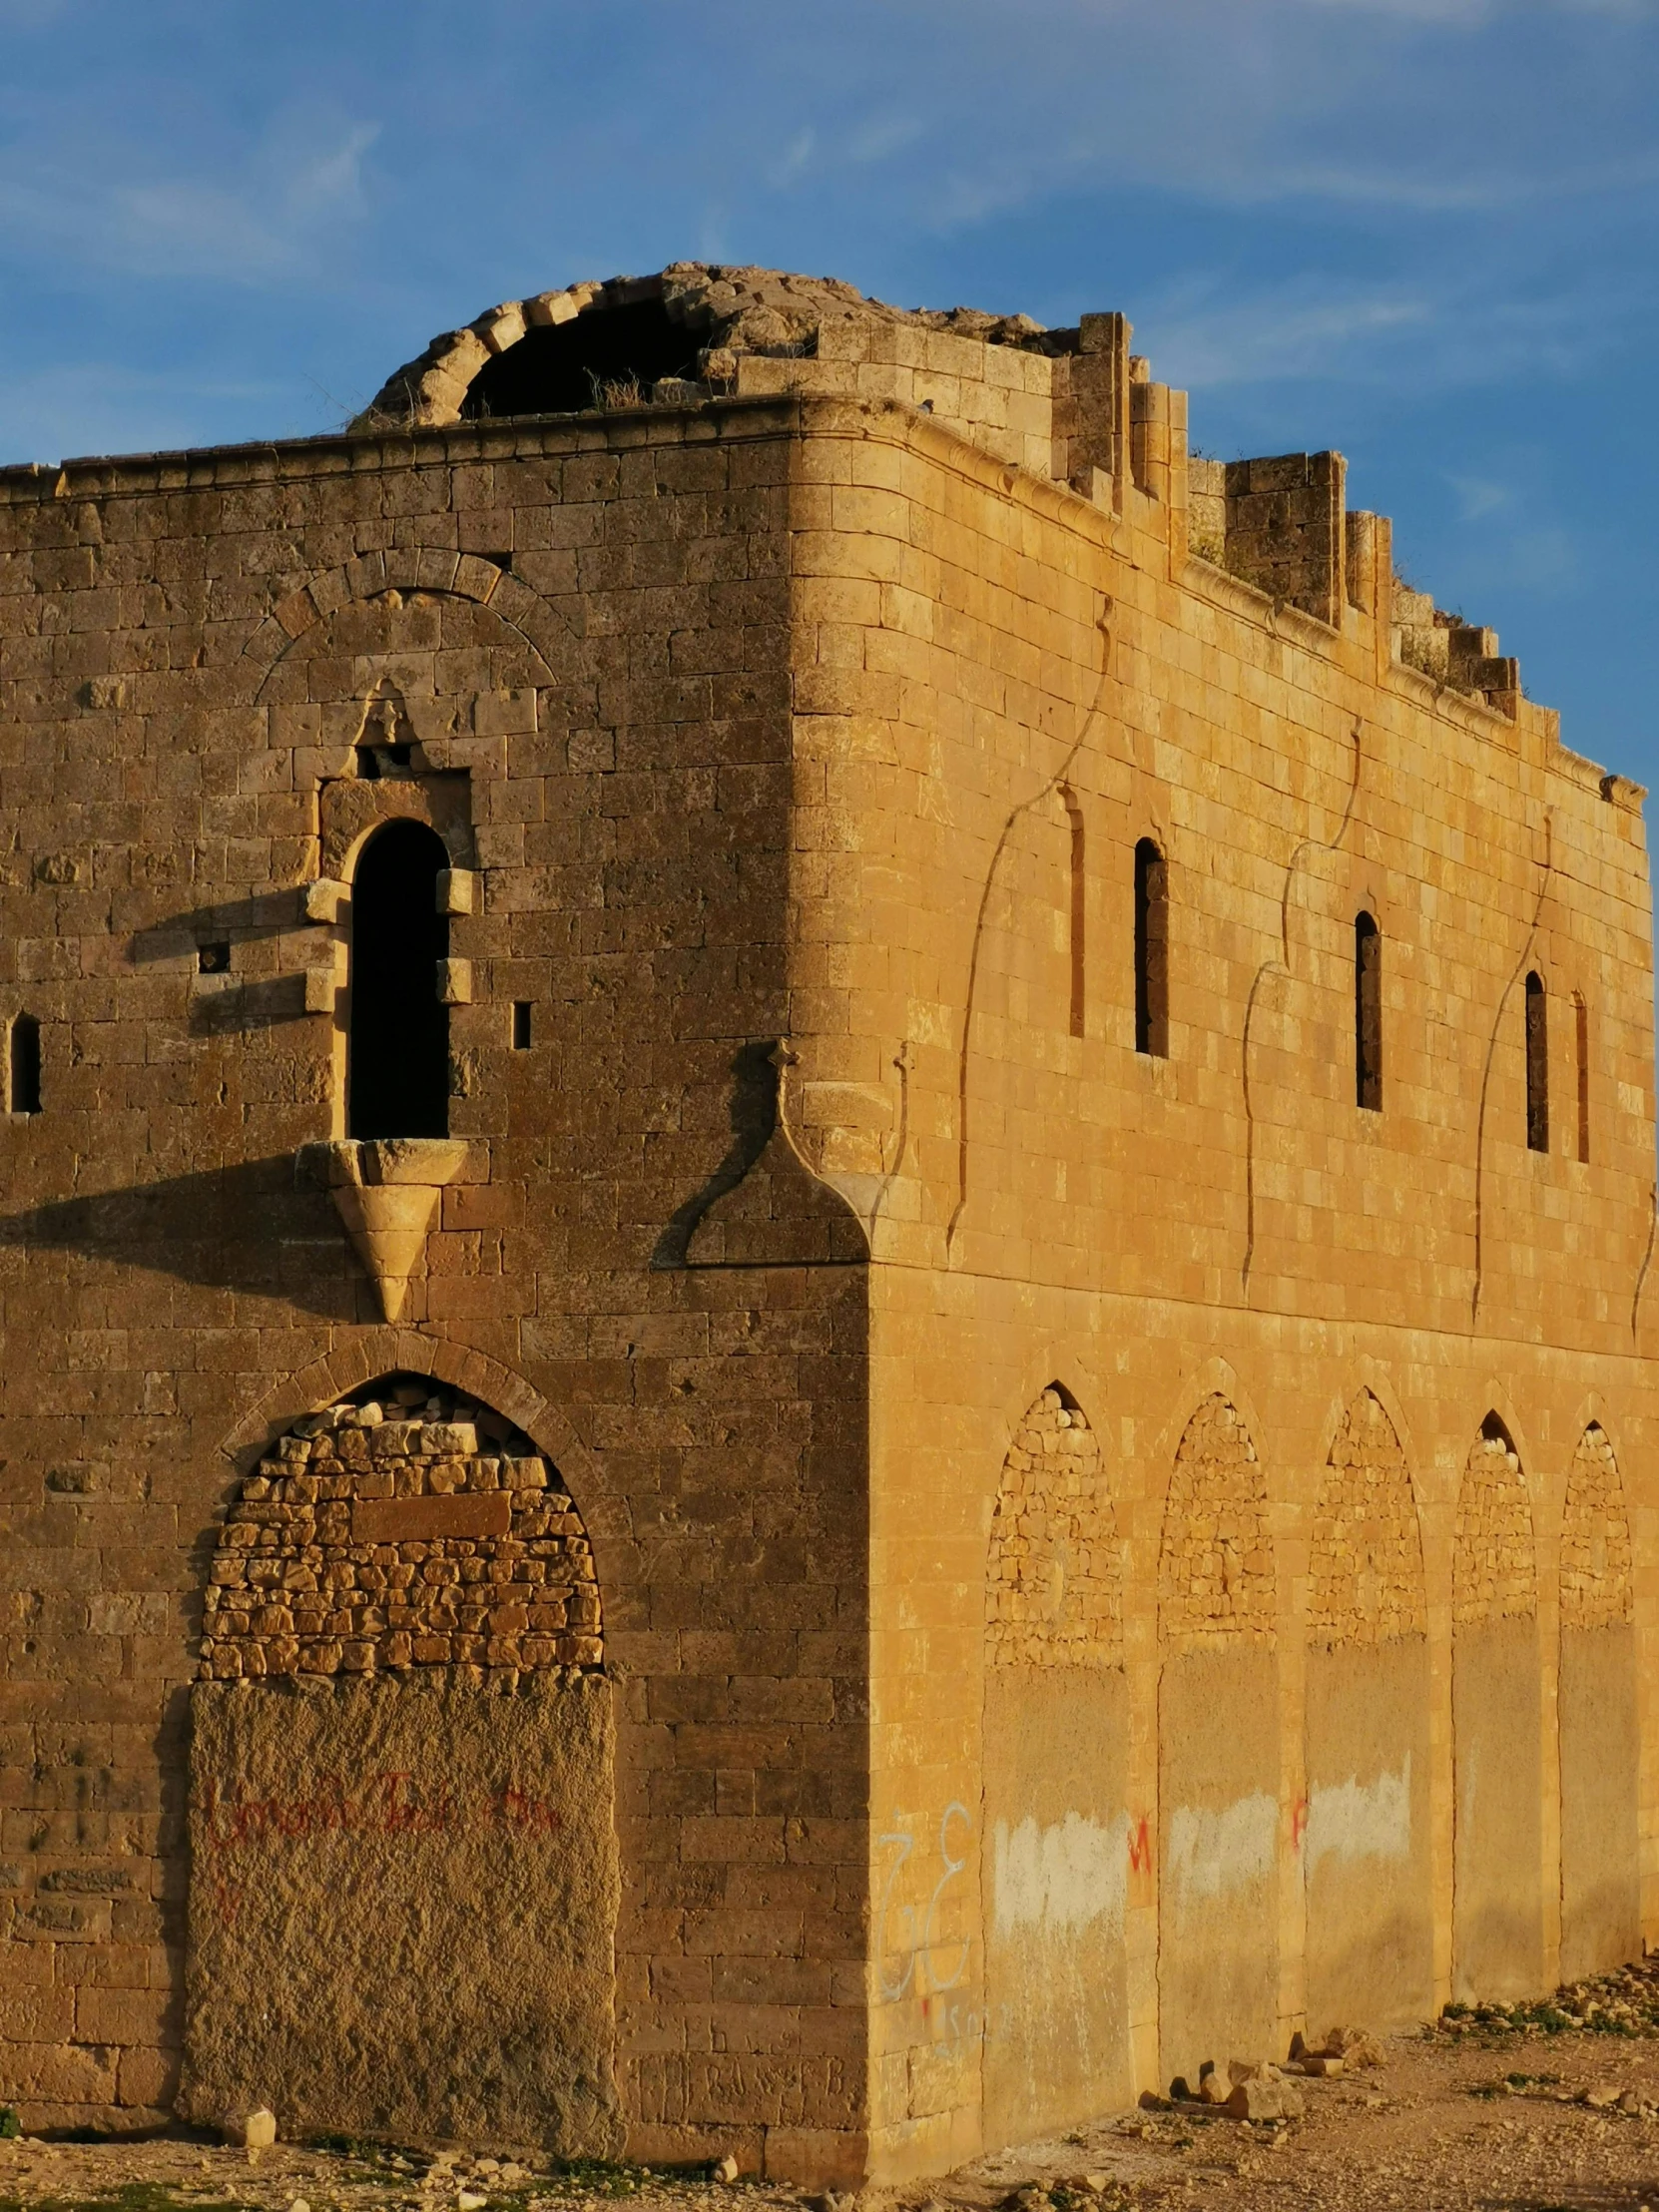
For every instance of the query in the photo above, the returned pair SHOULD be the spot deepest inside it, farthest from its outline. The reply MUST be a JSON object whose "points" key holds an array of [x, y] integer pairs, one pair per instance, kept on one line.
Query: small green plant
{"points": [[11, 2128], [132, 2196]]}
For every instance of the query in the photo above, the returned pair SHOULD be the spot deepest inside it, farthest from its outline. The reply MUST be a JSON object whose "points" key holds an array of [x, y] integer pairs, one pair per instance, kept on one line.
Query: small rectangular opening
{"points": [[212, 960], [521, 1025], [23, 1073]]}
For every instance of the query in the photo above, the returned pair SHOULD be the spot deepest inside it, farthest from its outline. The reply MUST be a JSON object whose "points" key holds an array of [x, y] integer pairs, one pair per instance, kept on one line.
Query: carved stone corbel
{"points": [[387, 1192]]}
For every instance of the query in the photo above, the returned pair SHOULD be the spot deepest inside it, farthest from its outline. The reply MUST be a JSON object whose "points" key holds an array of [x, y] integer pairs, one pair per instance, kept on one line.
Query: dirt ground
{"points": [[1488, 2114]]}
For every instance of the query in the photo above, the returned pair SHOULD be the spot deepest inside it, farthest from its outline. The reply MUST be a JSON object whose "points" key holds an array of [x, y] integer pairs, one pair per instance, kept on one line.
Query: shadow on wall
{"points": [[251, 1228], [752, 1116], [267, 914]]}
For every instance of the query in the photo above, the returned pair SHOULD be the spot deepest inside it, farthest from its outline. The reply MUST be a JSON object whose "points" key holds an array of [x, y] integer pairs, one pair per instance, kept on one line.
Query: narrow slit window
{"points": [[397, 1052], [1079, 889], [1581, 1027], [1151, 951], [1537, 1064], [23, 1065], [1367, 1013], [521, 1025]]}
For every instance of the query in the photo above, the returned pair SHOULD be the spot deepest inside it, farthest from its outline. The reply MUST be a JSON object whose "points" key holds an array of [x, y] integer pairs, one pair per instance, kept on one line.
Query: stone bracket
{"points": [[387, 1192]]}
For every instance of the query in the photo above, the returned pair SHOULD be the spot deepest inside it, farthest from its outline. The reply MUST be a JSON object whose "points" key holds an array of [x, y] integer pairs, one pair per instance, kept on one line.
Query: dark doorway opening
{"points": [[1151, 950], [563, 368], [24, 1071], [398, 1058], [1537, 1064], [1367, 1013]]}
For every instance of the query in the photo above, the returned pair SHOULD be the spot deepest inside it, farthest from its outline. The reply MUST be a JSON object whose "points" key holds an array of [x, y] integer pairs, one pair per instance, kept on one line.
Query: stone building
{"points": [[826, 1205]]}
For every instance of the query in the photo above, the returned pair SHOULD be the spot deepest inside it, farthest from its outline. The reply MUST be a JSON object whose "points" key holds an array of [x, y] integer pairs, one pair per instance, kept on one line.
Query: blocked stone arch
{"points": [[1493, 1563], [1366, 1573], [398, 576], [1053, 1584], [1219, 1755], [1055, 1792], [1596, 1586], [1497, 1932], [1215, 1558], [1367, 1879], [403, 1876], [1597, 1729], [375, 1352], [403, 1525]]}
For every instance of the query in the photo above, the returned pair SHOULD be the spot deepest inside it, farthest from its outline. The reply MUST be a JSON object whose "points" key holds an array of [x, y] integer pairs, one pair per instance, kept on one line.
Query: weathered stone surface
{"points": [[402, 1908], [796, 738], [363, 1544], [1265, 2100]]}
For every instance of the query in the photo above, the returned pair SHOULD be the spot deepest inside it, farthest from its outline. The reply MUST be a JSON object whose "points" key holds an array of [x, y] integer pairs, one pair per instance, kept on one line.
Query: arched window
{"points": [[1367, 1013], [23, 1065], [397, 1063], [1537, 1064], [1079, 896], [1582, 1031], [1151, 951]]}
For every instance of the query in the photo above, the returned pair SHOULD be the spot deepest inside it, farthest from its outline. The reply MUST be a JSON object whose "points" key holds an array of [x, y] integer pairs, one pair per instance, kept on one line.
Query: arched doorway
{"points": [[1056, 1824], [404, 1873], [1596, 1716], [1218, 1752], [1365, 1843], [1496, 1718], [397, 1056]]}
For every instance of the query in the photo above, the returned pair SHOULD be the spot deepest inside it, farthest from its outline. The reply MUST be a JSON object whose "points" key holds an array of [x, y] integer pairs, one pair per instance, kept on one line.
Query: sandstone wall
{"points": [[402, 1905], [566, 649], [1054, 1822], [800, 750], [1000, 689]]}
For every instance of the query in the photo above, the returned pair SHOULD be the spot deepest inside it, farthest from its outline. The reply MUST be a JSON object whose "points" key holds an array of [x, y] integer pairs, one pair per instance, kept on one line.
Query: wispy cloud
{"points": [[1477, 498], [72, 408], [1242, 340], [1436, 106], [116, 203]]}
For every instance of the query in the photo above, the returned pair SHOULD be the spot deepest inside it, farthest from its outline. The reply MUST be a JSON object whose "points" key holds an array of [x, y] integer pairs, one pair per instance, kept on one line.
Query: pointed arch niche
{"points": [[1596, 1716], [1055, 1752], [1365, 1846], [1218, 1750], [403, 1874], [1496, 1718]]}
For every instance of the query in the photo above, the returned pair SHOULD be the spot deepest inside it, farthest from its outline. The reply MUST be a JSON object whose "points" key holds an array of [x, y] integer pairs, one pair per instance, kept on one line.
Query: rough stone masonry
{"points": [[827, 1215]]}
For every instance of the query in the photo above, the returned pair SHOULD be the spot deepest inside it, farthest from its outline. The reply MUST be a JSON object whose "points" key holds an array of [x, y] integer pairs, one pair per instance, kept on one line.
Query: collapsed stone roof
{"points": [[699, 318], [1072, 405]]}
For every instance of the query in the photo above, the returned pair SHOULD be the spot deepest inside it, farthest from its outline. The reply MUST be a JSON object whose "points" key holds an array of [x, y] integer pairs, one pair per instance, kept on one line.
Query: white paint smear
{"points": [[1361, 1819], [1213, 1853], [1063, 1878]]}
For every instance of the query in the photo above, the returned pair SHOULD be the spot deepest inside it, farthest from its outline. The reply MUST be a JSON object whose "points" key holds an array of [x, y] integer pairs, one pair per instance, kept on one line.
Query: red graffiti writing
{"points": [[1140, 1847], [1299, 1823], [391, 1803]]}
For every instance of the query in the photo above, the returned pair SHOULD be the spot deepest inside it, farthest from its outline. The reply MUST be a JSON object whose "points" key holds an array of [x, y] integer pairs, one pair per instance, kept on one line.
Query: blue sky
{"points": [[1421, 231]]}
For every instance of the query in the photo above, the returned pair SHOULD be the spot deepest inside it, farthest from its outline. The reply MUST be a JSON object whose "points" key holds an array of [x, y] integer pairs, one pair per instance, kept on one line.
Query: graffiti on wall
{"points": [[906, 1936]]}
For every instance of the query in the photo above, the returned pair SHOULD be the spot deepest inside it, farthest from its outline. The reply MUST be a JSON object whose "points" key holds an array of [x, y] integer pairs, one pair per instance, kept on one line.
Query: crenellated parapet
{"points": [[1461, 655], [1073, 405]]}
